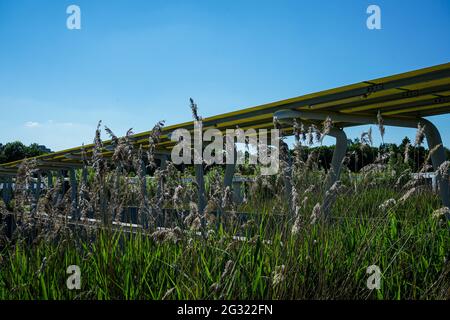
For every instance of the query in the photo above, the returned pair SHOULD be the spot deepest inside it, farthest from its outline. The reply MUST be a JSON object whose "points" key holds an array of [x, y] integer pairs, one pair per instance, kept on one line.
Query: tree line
{"points": [[359, 154], [13, 151]]}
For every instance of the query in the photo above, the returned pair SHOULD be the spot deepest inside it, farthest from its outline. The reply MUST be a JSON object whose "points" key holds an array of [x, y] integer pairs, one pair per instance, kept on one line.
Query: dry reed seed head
{"points": [[215, 287], [168, 293], [210, 234], [406, 153], [380, 125], [42, 267], [408, 194], [211, 206], [310, 136], [298, 224], [114, 139], [196, 224], [284, 150], [426, 166], [419, 182], [210, 219], [97, 158], [297, 130], [178, 195], [382, 157], [84, 158], [389, 203], [156, 132], [194, 109], [304, 202], [227, 270], [420, 134], [276, 123], [227, 199], [310, 189], [317, 133], [366, 138], [232, 246], [153, 140], [327, 126], [24, 179], [402, 177], [278, 275], [441, 213], [335, 189], [311, 161], [316, 213], [444, 170], [294, 196], [167, 235], [302, 132], [248, 224], [373, 168], [84, 201]]}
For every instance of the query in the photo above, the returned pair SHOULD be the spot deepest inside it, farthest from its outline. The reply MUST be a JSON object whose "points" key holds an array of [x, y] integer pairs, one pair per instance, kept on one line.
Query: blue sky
{"points": [[136, 62]]}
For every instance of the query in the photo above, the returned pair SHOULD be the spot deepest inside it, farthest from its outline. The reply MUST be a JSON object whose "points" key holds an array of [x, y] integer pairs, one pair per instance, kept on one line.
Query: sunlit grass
{"points": [[324, 261]]}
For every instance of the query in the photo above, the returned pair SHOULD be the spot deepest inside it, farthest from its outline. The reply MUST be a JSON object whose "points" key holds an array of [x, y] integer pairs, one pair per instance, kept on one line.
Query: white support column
{"points": [[200, 179], [339, 153], [437, 158], [74, 194], [49, 179], [431, 132]]}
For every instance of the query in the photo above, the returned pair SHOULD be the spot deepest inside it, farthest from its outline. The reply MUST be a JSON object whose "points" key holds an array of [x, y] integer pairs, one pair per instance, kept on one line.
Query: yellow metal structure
{"points": [[411, 95]]}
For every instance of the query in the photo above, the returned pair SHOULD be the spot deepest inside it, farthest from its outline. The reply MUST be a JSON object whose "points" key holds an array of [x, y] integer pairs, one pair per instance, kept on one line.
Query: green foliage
{"points": [[323, 261], [362, 155], [13, 151], [271, 252]]}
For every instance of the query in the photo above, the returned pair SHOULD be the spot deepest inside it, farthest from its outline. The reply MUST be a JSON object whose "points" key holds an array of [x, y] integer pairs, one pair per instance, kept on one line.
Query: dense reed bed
{"points": [[279, 242]]}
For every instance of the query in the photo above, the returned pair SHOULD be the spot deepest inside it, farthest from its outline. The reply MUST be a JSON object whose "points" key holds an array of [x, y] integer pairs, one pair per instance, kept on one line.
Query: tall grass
{"points": [[277, 244], [323, 261]]}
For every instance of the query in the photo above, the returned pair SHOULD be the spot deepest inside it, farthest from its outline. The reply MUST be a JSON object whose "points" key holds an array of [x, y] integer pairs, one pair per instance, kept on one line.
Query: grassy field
{"points": [[317, 261], [285, 246]]}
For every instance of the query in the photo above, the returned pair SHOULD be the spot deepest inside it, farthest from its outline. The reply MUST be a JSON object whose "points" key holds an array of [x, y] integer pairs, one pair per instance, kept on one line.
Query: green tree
{"points": [[16, 150]]}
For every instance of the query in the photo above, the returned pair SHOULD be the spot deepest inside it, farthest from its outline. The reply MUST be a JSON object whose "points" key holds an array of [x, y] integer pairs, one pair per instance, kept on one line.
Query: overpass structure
{"points": [[402, 100]]}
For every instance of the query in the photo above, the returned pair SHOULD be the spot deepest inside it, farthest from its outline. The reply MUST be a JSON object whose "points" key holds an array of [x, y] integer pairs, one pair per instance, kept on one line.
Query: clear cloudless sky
{"points": [[136, 62]]}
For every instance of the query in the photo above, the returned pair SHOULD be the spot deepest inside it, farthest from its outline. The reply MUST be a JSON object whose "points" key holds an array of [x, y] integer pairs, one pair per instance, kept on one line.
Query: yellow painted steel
{"points": [[376, 97]]}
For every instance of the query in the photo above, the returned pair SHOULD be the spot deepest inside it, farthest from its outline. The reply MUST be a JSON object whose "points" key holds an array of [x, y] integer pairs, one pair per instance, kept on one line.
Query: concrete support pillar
{"points": [[287, 174], [144, 178], [338, 155], [3, 183], [74, 194], [335, 169], [200, 179], [84, 174], [431, 132], [49, 180], [144, 218], [9, 189], [37, 191], [437, 158], [36, 194], [164, 159], [62, 180]]}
